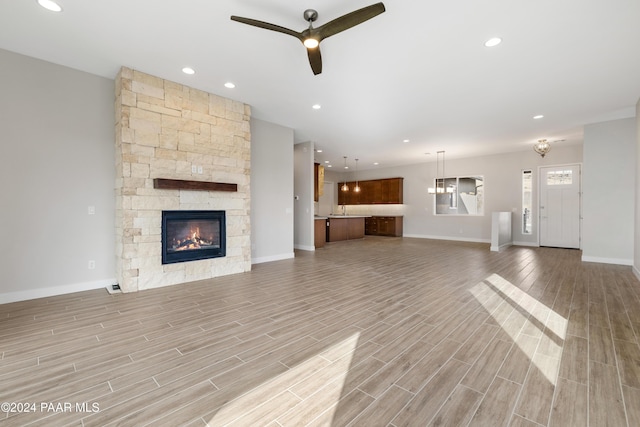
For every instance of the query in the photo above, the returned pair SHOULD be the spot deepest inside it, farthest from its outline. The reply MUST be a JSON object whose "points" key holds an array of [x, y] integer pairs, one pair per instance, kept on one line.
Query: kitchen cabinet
{"points": [[320, 232], [384, 226], [346, 228], [372, 192]]}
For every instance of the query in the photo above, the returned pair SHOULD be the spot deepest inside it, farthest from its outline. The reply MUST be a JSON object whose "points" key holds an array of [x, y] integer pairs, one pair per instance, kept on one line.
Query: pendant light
{"points": [[439, 179], [357, 187], [345, 187]]}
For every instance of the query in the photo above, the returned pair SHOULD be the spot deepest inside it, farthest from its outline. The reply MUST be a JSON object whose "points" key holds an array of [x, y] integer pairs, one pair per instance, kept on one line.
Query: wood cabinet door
{"points": [[371, 226], [320, 232], [365, 192], [355, 228], [337, 229], [385, 190], [395, 191], [376, 192], [383, 226]]}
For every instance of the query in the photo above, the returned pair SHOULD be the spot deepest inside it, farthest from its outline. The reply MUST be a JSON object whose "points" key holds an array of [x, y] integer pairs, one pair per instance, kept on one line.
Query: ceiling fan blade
{"points": [[349, 20], [267, 26], [315, 59]]}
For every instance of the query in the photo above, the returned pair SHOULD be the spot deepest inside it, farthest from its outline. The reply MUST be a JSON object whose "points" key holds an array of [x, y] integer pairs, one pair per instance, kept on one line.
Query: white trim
{"points": [[501, 247], [55, 290], [456, 239], [636, 272], [617, 261], [531, 244], [272, 258], [304, 248]]}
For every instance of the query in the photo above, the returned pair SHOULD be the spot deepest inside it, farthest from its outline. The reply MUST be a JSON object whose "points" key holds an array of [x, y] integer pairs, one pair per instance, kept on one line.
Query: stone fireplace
{"points": [[165, 130]]}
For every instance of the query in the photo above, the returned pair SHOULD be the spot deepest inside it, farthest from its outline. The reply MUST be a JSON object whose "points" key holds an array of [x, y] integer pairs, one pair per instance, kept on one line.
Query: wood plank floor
{"points": [[376, 332]]}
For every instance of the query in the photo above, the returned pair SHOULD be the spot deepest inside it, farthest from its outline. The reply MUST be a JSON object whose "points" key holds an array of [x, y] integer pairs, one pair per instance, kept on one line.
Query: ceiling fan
{"points": [[311, 37]]}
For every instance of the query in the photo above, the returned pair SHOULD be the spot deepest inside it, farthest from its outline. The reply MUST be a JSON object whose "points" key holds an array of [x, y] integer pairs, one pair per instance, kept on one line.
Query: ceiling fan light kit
{"points": [[311, 37]]}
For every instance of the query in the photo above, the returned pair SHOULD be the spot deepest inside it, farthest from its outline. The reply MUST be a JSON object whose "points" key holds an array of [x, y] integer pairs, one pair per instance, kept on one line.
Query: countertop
{"points": [[340, 216]]}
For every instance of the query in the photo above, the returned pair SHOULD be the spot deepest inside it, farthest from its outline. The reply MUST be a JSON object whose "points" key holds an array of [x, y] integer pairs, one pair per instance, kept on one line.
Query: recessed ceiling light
{"points": [[539, 116], [329, 166], [316, 106], [326, 161], [229, 85], [50, 5], [405, 140], [376, 163], [319, 151], [495, 41], [188, 70]]}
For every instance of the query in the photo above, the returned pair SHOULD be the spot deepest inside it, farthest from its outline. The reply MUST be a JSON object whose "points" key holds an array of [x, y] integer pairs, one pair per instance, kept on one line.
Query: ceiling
{"points": [[418, 72]]}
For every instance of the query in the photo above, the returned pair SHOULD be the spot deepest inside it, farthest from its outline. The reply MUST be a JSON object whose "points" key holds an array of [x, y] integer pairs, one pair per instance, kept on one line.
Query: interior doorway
{"points": [[560, 205]]}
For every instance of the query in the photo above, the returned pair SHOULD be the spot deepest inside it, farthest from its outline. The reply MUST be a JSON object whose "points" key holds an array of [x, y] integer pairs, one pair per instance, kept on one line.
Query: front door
{"points": [[560, 206]]}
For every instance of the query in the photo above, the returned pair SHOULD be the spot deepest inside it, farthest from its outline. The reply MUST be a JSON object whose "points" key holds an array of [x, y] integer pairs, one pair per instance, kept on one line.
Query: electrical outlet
{"points": [[91, 265], [91, 210], [194, 169], [200, 170]]}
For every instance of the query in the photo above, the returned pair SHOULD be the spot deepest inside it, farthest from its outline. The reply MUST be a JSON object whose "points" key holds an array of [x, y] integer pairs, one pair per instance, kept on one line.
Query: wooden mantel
{"points": [[183, 184]]}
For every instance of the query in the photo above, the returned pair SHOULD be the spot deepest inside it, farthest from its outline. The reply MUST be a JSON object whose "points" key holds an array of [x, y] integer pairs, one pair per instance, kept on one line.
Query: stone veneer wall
{"points": [[162, 130]]}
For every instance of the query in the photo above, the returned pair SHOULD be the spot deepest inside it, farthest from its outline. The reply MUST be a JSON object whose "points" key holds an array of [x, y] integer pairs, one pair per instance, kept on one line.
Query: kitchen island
{"points": [[345, 227]]}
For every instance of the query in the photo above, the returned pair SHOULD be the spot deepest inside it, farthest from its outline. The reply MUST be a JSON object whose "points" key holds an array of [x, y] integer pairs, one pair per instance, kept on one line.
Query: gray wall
{"points": [[57, 135], [609, 191], [57, 132], [271, 192], [503, 192], [636, 257]]}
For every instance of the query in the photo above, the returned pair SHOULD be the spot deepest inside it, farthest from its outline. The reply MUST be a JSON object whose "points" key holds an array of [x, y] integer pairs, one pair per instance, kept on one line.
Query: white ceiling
{"points": [[419, 71]]}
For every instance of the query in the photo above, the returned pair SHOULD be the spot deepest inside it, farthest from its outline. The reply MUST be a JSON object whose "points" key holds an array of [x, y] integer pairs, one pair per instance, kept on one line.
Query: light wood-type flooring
{"points": [[375, 332]]}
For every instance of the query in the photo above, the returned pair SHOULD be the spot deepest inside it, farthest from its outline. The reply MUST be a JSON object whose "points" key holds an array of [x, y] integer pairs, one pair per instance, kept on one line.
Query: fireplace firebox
{"points": [[193, 235]]}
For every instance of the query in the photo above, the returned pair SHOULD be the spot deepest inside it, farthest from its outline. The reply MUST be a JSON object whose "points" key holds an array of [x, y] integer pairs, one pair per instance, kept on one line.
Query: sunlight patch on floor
{"points": [[540, 321], [296, 395]]}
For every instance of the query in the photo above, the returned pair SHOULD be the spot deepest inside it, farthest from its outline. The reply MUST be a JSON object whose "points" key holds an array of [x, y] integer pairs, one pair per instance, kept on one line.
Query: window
{"points": [[527, 198], [459, 196], [560, 177]]}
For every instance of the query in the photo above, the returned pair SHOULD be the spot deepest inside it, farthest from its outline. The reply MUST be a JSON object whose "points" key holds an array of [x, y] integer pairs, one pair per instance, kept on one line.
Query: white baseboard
{"points": [[532, 244], [304, 248], [501, 247], [636, 272], [54, 290], [270, 258], [617, 261], [455, 239]]}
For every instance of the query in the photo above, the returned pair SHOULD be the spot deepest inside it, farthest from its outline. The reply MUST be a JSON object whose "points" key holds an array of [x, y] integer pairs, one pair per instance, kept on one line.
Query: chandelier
{"points": [[542, 147]]}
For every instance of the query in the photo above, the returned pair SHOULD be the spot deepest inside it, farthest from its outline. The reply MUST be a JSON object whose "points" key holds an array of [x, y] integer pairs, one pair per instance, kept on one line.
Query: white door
{"points": [[560, 206]]}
